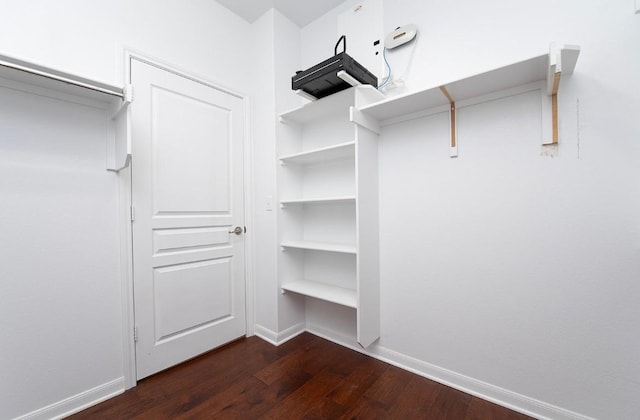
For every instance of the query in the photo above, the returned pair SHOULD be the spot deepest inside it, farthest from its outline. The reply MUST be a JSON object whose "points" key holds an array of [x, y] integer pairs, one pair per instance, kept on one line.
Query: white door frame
{"points": [[126, 245]]}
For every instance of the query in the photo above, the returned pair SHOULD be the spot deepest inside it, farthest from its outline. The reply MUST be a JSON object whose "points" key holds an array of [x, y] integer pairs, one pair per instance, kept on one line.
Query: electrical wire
{"points": [[389, 79], [384, 55]]}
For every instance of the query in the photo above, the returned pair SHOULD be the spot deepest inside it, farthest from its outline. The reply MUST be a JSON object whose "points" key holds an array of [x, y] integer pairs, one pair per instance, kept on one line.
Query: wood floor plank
{"points": [[325, 409], [417, 399], [359, 372], [480, 410], [307, 377], [389, 387], [219, 402], [299, 402], [353, 386], [306, 358], [253, 406], [450, 404], [216, 383]]}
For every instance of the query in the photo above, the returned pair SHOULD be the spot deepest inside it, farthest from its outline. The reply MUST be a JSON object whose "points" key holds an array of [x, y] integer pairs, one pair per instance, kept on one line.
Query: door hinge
{"points": [[132, 213], [135, 334]]}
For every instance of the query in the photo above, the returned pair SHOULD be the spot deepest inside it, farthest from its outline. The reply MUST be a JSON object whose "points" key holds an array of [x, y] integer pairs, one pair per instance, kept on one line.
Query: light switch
{"points": [[637, 6]]}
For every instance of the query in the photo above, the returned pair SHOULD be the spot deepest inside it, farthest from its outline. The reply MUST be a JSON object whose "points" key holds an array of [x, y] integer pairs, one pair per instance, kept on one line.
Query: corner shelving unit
{"points": [[541, 72], [328, 215]]}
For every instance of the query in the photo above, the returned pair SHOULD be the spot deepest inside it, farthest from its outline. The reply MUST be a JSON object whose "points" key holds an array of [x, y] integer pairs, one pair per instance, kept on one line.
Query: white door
{"points": [[187, 195]]}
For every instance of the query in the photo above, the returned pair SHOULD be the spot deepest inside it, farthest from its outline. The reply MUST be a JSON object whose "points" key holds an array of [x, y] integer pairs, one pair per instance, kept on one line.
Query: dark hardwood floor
{"points": [[305, 378]]}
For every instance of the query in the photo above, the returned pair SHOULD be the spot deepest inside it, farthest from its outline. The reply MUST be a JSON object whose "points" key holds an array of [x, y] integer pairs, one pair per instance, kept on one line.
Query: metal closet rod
{"points": [[68, 79]]}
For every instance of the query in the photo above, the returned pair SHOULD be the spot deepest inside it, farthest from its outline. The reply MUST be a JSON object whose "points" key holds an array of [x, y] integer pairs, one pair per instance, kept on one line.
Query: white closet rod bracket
{"points": [[120, 143], [127, 162], [127, 98]]}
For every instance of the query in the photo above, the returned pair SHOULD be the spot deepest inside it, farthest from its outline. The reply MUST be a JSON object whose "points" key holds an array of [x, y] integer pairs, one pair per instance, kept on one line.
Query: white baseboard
{"points": [[282, 337], [495, 394], [77, 402], [266, 334]]}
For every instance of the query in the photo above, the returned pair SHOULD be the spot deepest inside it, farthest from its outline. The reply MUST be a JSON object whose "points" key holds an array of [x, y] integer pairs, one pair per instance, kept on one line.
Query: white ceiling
{"points": [[301, 12]]}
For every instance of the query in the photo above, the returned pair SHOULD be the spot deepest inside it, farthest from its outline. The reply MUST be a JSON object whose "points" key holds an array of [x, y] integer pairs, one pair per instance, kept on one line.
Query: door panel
{"points": [[169, 240], [191, 143], [191, 295], [187, 192]]}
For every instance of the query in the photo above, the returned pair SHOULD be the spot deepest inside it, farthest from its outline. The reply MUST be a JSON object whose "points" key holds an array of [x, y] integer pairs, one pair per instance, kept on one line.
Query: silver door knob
{"points": [[237, 230]]}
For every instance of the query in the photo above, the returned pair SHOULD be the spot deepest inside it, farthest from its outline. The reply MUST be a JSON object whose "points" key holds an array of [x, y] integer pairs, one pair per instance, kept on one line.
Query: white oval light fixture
{"points": [[400, 36]]}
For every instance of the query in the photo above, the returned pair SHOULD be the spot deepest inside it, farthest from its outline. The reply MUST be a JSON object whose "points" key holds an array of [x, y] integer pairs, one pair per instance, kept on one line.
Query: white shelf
{"points": [[525, 72], [317, 110], [331, 105], [535, 69], [320, 246], [324, 200], [322, 155], [329, 293], [542, 73]]}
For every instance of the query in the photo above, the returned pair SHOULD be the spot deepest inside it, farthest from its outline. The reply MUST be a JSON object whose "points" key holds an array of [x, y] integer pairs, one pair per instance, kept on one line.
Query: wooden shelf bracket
{"points": [[562, 61], [453, 143]]}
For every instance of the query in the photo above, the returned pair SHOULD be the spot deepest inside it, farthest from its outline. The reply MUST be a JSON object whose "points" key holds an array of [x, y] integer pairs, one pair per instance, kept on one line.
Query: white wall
{"points": [[505, 271], [319, 37], [526, 266], [61, 286], [60, 314], [88, 38], [264, 156], [287, 61], [278, 55]]}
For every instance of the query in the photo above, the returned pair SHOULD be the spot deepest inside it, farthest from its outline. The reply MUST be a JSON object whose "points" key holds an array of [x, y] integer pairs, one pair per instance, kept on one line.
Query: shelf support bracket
{"points": [[305, 95], [554, 108], [363, 120], [562, 60], [348, 78], [550, 133], [453, 142]]}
